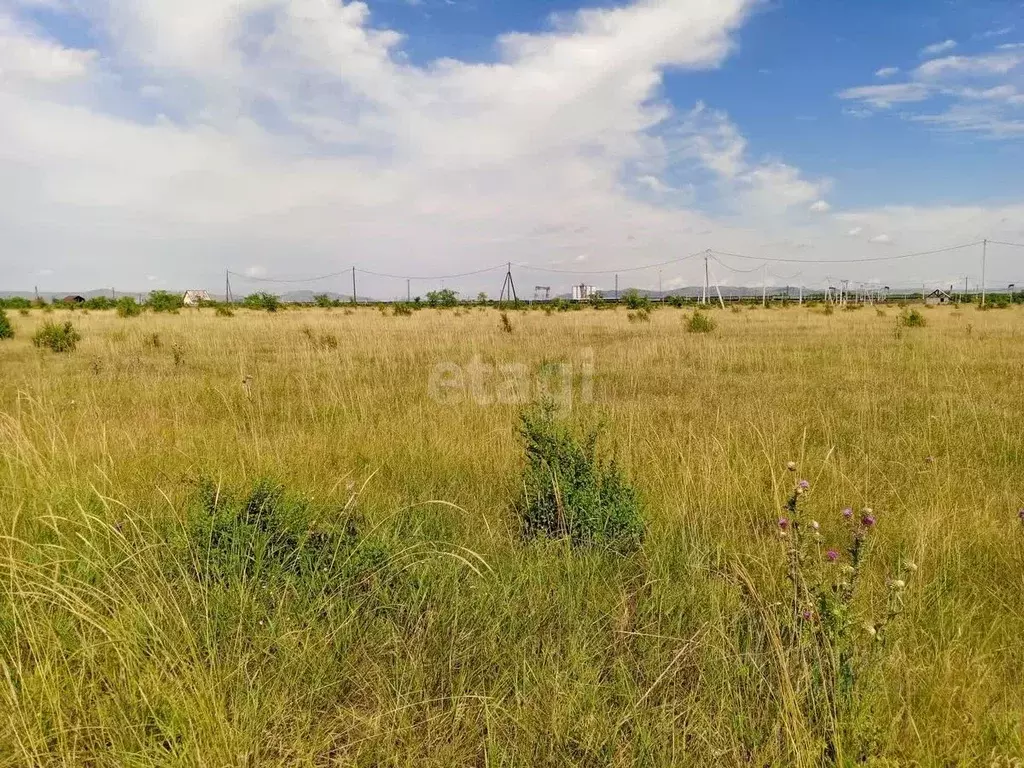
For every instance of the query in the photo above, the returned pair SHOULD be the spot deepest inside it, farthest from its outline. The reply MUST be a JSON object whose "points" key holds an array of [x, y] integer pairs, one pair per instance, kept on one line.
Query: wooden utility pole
{"points": [[353, 285], [984, 254]]}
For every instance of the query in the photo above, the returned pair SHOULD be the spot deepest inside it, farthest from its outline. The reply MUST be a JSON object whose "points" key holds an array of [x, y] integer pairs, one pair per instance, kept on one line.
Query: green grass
{"points": [[385, 608]]}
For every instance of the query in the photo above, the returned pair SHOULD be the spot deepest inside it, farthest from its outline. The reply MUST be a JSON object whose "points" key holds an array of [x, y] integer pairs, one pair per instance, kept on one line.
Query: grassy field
{"points": [[138, 627]]}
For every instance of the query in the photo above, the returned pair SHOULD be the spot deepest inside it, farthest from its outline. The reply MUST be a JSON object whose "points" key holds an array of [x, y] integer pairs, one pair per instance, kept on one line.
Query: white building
{"points": [[194, 298], [583, 292]]}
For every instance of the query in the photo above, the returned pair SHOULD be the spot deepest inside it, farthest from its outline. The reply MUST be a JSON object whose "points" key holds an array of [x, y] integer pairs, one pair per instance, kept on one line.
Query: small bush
{"points": [[642, 315], [506, 324], [6, 329], [700, 323], [401, 310], [165, 301], [569, 493], [262, 300], [913, 319], [635, 300], [829, 309], [126, 307], [152, 341], [59, 337], [446, 297], [223, 310]]}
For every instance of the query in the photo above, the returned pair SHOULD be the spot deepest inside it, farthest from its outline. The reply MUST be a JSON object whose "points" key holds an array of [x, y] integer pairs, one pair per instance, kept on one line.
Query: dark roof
{"points": [[74, 299]]}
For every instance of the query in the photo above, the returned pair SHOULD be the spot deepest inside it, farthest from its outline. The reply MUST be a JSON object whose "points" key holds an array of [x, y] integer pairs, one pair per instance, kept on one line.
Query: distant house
{"points": [[73, 300], [937, 297], [195, 298]]}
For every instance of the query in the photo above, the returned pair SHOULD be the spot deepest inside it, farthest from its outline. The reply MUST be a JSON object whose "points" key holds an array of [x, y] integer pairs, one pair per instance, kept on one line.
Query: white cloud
{"points": [[296, 135], [992, 64], [820, 206], [25, 56], [882, 239], [884, 96], [582, 257], [855, 232], [886, 72], [936, 48], [998, 32]]}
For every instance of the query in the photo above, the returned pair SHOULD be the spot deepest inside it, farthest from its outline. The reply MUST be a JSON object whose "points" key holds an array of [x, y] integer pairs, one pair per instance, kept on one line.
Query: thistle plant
{"points": [[830, 644]]}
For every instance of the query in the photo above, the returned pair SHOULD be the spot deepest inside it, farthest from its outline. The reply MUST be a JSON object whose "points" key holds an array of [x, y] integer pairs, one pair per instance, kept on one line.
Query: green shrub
{"points": [[913, 319], [223, 310], [99, 302], [127, 307], [446, 297], [506, 324], [15, 302], [59, 337], [164, 301], [262, 300], [6, 329], [401, 310], [700, 323], [642, 315], [569, 493], [635, 300], [326, 302]]}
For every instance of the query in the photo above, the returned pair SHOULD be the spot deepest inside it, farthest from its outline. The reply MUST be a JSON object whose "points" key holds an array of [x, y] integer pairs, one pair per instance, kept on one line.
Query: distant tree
{"points": [[323, 300], [15, 302], [262, 300], [481, 298], [635, 300], [6, 330], [446, 297], [164, 301]]}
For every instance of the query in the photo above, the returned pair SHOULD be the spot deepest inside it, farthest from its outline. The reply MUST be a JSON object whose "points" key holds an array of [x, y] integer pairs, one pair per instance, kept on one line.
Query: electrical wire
{"points": [[531, 268], [847, 261]]}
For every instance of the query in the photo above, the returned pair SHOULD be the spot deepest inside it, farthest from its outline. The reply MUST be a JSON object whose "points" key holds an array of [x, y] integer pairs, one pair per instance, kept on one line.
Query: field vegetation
{"points": [[263, 538]]}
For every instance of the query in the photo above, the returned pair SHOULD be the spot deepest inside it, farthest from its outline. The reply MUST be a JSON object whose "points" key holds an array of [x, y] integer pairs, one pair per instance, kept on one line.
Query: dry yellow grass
{"points": [[533, 655]]}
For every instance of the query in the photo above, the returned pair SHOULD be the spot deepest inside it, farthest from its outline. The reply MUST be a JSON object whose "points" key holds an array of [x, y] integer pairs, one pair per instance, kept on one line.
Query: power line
{"points": [[1012, 245], [848, 261], [431, 277], [529, 267]]}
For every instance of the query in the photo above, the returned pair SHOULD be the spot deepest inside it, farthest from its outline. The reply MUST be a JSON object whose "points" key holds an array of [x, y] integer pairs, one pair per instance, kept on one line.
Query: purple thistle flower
{"points": [[804, 484], [929, 460], [868, 521], [783, 523], [1020, 515], [832, 555], [807, 614], [848, 513]]}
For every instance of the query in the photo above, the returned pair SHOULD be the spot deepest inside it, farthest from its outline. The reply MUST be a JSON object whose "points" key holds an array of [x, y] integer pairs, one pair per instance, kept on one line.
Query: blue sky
{"points": [[157, 144]]}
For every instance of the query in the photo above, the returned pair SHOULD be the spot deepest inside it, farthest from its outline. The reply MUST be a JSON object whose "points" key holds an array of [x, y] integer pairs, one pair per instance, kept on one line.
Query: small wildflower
{"points": [[929, 460], [848, 569], [870, 628], [898, 584], [848, 513], [910, 566], [799, 491], [1020, 515], [783, 523], [832, 555], [783, 534], [868, 521], [805, 485], [807, 614], [815, 525], [791, 466]]}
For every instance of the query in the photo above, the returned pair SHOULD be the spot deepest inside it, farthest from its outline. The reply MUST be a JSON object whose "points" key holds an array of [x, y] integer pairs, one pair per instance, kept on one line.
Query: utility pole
{"points": [[353, 285], [984, 254], [659, 282], [408, 291], [704, 298], [113, 294], [227, 287], [801, 295], [616, 287], [764, 285], [37, 293]]}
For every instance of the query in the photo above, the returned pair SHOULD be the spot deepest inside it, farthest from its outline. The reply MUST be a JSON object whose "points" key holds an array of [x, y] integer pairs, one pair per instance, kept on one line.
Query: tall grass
{"points": [[421, 628]]}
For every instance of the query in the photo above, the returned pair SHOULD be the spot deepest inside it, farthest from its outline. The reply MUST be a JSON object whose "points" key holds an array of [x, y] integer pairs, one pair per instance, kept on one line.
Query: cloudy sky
{"points": [[151, 143]]}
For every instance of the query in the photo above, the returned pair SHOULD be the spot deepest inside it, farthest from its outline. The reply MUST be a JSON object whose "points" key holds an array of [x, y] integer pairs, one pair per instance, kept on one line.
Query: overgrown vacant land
{"points": [[291, 539]]}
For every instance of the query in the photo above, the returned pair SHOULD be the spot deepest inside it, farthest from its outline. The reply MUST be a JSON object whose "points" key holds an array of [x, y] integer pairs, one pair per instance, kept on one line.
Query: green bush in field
{"points": [[127, 307], [569, 493], [223, 310], [262, 300], [913, 319], [164, 301], [59, 337], [635, 300], [700, 323], [15, 302], [267, 537], [6, 330]]}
